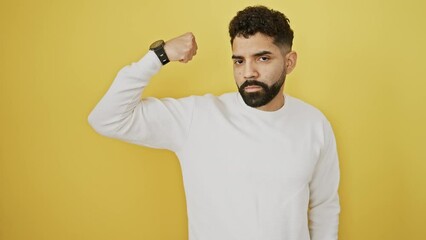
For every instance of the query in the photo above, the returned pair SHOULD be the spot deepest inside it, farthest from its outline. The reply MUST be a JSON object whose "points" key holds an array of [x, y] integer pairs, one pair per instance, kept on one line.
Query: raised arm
{"points": [[160, 123]]}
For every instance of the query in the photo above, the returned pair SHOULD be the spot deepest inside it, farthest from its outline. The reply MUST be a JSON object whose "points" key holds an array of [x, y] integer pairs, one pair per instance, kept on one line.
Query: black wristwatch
{"points": [[158, 48]]}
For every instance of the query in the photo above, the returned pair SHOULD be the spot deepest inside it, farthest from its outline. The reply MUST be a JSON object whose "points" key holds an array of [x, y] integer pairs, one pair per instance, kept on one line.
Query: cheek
{"points": [[237, 71], [238, 76], [274, 73]]}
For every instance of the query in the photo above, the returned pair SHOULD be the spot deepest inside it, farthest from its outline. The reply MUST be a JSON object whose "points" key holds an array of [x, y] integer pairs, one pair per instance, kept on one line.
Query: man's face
{"points": [[259, 69]]}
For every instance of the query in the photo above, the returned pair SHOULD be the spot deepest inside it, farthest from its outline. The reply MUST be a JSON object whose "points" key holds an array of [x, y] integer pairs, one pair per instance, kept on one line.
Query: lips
{"points": [[252, 88]]}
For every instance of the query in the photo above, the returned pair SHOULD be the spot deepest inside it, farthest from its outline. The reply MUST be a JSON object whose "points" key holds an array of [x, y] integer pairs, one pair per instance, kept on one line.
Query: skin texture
{"points": [[258, 58], [254, 58], [182, 48]]}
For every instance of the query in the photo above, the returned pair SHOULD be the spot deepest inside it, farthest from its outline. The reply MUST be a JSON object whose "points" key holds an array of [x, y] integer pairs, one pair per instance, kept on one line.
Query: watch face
{"points": [[156, 44]]}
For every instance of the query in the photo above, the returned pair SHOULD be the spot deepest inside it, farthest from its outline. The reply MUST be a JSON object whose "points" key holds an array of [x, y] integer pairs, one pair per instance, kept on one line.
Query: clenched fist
{"points": [[182, 48]]}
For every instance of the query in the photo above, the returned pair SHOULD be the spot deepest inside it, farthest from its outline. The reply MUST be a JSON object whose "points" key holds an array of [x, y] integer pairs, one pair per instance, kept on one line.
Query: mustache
{"points": [[254, 83]]}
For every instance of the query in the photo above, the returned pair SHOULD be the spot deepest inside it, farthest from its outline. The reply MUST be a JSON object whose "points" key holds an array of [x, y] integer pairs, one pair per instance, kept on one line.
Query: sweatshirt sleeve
{"points": [[152, 122], [324, 207]]}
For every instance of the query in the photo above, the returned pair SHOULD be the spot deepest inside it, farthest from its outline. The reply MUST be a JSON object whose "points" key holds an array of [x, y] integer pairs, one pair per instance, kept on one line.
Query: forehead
{"points": [[254, 44]]}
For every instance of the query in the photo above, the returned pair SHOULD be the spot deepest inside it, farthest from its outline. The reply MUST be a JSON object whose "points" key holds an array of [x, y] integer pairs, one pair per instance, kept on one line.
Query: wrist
{"points": [[158, 48]]}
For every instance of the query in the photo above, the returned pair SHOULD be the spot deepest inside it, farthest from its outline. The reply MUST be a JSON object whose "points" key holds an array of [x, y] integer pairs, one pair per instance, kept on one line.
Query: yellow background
{"points": [[361, 62]]}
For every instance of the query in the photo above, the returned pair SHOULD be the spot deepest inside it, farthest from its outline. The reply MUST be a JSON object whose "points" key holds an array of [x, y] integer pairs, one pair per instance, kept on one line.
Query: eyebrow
{"points": [[258, 54]]}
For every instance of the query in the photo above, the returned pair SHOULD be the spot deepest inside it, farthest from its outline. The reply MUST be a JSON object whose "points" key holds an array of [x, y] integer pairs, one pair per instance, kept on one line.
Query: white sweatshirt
{"points": [[248, 174]]}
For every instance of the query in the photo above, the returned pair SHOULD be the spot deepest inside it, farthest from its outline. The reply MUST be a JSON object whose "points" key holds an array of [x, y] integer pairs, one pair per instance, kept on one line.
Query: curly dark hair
{"points": [[260, 19]]}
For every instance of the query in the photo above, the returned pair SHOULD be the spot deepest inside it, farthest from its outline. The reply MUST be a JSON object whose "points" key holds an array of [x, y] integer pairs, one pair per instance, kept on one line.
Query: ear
{"points": [[290, 61]]}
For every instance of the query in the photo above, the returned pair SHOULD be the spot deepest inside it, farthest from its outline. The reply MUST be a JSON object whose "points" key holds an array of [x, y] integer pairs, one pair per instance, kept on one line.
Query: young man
{"points": [[257, 164]]}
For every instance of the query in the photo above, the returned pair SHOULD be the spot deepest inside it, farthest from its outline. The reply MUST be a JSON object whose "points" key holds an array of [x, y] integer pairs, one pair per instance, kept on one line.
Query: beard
{"points": [[264, 96]]}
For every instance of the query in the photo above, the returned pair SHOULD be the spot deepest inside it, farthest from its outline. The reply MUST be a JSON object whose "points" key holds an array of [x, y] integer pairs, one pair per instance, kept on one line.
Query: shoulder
{"points": [[304, 110], [310, 117], [211, 104], [209, 98], [199, 100]]}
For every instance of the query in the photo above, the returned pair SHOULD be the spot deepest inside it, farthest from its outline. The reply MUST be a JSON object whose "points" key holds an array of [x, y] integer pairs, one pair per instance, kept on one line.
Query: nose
{"points": [[250, 71]]}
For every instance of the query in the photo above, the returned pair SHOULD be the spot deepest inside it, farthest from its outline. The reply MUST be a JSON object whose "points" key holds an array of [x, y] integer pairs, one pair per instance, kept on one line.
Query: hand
{"points": [[182, 48]]}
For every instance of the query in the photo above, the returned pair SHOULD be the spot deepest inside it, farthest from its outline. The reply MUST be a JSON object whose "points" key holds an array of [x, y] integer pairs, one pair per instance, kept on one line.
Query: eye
{"points": [[264, 59], [238, 61]]}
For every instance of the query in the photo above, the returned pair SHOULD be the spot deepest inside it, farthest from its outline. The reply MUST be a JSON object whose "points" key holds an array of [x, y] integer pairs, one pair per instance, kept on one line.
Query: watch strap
{"points": [[161, 54]]}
